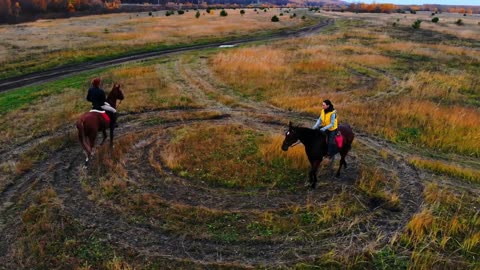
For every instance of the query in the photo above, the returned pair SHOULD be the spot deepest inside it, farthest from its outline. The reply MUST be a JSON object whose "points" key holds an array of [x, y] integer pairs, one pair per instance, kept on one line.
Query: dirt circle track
{"points": [[149, 239]]}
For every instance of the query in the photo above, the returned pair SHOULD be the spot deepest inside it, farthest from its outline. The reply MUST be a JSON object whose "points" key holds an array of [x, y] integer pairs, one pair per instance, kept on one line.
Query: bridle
{"points": [[295, 143]]}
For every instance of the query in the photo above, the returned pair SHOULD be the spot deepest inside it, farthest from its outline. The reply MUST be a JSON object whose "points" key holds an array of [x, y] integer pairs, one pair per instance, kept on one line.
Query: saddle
{"points": [[104, 114]]}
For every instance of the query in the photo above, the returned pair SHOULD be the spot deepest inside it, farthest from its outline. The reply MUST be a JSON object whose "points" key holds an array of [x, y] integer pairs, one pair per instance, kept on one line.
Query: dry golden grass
{"points": [[434, 195], [420, 225], [446, 24], [68, 38], [439, 86], [437, 126], [231, 156], [296, 155], [447, 168]]}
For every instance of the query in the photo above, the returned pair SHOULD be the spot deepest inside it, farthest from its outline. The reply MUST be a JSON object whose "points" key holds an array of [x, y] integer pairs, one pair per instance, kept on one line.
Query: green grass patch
{"points": [[17, 98]]}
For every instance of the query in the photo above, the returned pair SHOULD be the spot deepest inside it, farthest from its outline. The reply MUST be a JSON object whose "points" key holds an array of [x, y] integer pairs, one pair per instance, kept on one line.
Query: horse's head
{"points": [[291, 137], [114, 95], [116, 92]]}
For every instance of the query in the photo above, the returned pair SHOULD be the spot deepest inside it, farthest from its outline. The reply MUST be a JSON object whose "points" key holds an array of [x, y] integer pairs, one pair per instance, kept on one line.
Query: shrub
{"points": [[242, 12], [197, 15], [435, 19], [281, 14], [303, 17], [223, 13], [275, 18], [208, 10], [180, 12], [459, 22], [413, 12], [416, 24]]}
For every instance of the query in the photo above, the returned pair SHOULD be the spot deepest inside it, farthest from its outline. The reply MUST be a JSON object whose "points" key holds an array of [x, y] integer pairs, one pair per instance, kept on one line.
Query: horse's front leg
{"points": [[313, 173], [330, 165]]}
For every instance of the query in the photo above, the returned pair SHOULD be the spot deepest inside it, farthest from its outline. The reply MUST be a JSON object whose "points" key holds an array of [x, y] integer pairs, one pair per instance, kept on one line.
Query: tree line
{"points": [[19, 10], [389, 8]]}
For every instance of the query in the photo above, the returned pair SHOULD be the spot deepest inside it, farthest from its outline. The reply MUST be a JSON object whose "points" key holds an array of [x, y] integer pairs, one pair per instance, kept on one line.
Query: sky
{"points": [[420, 2]]}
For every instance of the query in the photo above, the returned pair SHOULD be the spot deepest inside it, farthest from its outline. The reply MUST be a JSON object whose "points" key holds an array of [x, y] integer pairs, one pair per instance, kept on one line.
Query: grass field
{"points": [[45, 44], [197, 178]]}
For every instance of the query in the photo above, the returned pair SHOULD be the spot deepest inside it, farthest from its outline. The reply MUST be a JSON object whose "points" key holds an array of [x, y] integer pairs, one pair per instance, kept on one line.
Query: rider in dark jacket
{"points": [[96, 95]]}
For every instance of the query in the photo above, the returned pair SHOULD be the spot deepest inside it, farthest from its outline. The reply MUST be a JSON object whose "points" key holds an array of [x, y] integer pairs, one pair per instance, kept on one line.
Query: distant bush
{"points": [[275, 18], [180, 12], [197, 15], [281, 14], [242, 12], [208, 10], [416, 24], [303, 17], [413, 12], [223, 13], [435, 20], [169, 12], [459, 22]]}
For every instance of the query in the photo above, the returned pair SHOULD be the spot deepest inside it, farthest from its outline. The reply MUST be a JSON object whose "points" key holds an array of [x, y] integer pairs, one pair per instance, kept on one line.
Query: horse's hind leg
{"points": [[104, 137], [342, 162], [111, 136]]}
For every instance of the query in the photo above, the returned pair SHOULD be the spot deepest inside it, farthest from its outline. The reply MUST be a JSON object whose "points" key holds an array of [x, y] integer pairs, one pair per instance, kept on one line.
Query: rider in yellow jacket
{"points": [[328, 123]]}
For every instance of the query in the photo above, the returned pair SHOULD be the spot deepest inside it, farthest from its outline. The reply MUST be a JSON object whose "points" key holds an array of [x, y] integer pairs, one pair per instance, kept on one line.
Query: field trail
{"points": [[148, 174]]}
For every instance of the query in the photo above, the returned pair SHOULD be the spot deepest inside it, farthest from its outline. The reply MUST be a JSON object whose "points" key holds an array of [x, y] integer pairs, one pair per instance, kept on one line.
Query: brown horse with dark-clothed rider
{"points": [[91, 123]]}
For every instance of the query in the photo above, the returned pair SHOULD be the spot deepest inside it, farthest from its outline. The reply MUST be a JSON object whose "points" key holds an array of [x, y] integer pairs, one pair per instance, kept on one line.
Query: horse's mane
{"points": [[308, 132]]}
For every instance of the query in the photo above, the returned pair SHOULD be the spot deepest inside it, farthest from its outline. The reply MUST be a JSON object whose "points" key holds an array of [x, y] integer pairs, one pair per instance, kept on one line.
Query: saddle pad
{"points": [[339, 140], [105, 116]]}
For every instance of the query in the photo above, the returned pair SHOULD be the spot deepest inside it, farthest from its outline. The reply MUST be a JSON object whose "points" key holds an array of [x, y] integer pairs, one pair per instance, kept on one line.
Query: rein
{"points": [[298, 142]]}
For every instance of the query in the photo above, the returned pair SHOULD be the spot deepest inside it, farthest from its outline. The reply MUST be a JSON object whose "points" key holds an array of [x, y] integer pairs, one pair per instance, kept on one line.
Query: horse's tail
{"points": [[81, 136]]}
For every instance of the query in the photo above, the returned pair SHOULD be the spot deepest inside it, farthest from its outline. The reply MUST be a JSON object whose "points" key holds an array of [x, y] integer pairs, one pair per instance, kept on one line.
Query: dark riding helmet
{"points": [[96, 82]]}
